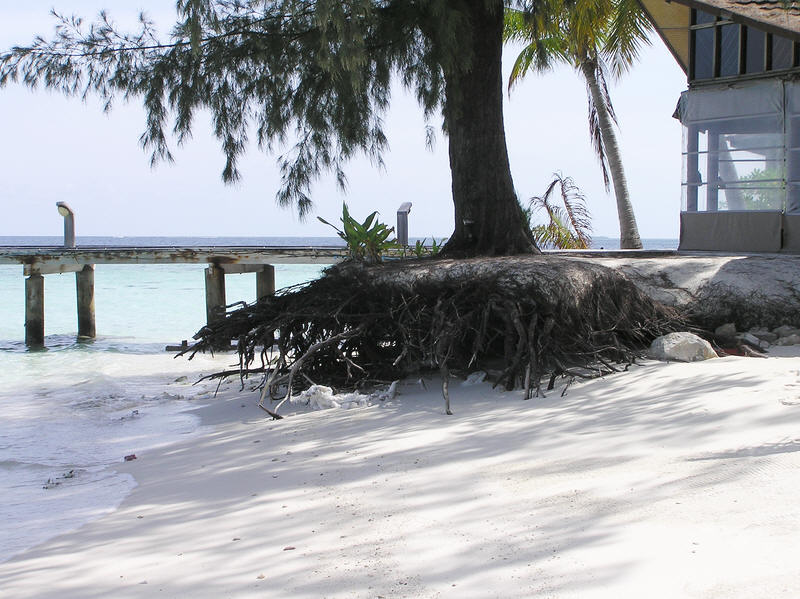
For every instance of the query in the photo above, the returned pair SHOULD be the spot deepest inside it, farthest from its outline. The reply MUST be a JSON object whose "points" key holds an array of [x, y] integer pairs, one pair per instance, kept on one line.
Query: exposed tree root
{"points": [[521, 318]]}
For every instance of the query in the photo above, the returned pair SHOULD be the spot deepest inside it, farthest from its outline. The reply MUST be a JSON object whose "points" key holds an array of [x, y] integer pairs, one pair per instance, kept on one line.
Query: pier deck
{"points": [[220, 260], [58, 259]]}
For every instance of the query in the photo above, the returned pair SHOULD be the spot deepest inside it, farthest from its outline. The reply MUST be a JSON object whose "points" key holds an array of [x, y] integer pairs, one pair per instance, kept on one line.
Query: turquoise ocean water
{"points": [[72, 412]]}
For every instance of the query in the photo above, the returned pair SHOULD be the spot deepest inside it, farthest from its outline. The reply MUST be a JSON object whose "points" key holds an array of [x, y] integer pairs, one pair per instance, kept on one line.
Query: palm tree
{"points": [[568, 228], [589, 35]]}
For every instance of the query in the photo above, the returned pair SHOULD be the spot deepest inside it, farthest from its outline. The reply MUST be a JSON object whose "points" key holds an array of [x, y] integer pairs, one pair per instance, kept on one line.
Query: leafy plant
{"points": [[421, 250], [436, 248], [366, 241], [568, 227]]}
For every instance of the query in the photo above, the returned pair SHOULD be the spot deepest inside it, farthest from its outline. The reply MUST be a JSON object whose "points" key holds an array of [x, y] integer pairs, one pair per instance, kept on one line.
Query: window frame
{"points": [[716, 25]]}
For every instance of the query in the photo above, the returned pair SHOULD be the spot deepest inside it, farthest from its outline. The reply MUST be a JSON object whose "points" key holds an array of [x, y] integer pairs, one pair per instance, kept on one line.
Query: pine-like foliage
{"points": [[309, 80]]}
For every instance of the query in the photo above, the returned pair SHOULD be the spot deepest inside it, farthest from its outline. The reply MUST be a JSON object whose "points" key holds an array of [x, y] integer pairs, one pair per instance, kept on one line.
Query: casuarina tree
{"points": [[309, 80]]}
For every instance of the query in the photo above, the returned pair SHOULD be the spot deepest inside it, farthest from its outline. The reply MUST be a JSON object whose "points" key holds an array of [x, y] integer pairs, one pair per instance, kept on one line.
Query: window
{"points": [[702, 18], [736, 164], [782, 52], [734, 148], [755, 50], [729, 50], [721, 48], [703, 53], [702, 44]]}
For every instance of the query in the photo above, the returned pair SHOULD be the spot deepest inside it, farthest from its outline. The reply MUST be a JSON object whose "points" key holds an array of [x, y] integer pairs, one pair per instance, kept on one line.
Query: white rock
{"points": [[681, 347]]}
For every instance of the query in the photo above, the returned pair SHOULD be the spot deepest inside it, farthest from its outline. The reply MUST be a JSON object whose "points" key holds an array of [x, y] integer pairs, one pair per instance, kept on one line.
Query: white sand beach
{"points": [[669, 480]]}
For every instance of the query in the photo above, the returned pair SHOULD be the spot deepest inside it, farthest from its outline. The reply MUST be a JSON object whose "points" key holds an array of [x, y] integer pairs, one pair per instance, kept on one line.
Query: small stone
{"points": [[788, 340], [750, 340], [289, 548], [261, 577], [681, 347], [130, 458], [785, 331], [764, 335], [726, 331]]}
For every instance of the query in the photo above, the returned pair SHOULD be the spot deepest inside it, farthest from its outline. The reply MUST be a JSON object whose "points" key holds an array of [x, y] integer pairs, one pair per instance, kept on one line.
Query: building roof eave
{"points": [[671, 22]]}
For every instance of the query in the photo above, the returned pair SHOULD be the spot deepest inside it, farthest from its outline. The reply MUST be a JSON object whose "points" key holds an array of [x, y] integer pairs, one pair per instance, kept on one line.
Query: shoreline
{"points": [[668, 480], [67, 430]]}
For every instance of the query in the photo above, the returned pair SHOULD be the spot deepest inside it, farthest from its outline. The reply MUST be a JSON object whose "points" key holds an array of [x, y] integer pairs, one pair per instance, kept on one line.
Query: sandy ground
{"points": [[670, 480]]}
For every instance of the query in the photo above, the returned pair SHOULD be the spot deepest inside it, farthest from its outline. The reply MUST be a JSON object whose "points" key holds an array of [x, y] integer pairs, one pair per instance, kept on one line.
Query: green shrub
{"points": [[366, 241]]}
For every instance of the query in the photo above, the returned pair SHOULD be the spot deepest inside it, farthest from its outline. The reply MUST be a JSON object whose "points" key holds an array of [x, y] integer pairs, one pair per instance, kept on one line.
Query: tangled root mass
{"points": [[520, 318]]}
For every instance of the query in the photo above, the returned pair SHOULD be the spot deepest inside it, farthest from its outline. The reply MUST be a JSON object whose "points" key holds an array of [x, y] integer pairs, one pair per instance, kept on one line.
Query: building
{"points": [[741, 121]]}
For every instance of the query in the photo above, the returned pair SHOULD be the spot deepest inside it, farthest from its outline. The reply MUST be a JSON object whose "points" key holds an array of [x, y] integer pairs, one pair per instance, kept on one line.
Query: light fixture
{"points": [[69, 224]]}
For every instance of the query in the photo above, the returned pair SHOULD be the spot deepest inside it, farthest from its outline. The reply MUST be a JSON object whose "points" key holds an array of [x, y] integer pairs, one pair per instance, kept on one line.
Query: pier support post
{"points": [[265, 281], [34, 311], [84, 285], [215, 293]]}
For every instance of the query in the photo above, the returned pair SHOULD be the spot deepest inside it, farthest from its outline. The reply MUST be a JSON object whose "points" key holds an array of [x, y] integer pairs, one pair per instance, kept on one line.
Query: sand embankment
{"points": [[670, 480]]}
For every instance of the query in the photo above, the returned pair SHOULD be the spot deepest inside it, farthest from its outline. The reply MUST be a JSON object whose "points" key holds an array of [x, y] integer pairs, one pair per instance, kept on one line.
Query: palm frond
{"points": [[600, 72], [568, 227], [540, 55], [596, 136], [575, 207], [628, 30]]}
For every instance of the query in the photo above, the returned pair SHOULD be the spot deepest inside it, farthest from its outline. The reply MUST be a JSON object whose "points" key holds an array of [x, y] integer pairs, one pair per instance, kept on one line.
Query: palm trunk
{"points": [[727, 171], [488, 218], [628, 231]]}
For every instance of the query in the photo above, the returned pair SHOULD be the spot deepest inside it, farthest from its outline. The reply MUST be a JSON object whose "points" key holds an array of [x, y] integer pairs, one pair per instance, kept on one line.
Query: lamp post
{"points": [[402, 223], [69, 224], [84, 279]]}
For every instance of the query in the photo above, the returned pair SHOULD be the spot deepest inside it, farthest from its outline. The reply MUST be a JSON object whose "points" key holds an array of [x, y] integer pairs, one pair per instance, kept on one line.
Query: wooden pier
{"points": [[220, 260]]}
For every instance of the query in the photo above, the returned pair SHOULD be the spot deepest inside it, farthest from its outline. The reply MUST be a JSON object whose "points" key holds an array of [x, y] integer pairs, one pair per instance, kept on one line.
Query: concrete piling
{"points": [[34, 310], [215, 293], [265, 281], [84, 285]]}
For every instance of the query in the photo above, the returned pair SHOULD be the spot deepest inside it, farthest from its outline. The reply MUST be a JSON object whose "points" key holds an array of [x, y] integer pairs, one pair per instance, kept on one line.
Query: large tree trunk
{"points": [[488, 218], [628, 231]]}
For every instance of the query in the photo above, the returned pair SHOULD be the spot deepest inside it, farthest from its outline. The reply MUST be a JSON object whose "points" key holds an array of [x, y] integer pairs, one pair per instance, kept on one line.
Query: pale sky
{"points": [[60, 149]]}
